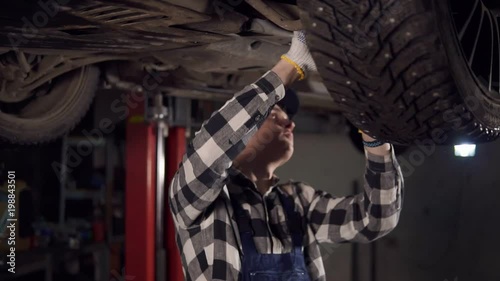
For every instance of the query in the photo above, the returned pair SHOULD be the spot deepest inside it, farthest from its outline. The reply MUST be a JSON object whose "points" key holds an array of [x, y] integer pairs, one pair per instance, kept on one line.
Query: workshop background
{"points": [[90, 203], [86, 201]]}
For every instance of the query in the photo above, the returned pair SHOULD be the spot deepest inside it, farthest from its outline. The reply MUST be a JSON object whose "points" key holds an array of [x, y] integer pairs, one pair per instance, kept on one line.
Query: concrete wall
{"points": [[449, 228]]}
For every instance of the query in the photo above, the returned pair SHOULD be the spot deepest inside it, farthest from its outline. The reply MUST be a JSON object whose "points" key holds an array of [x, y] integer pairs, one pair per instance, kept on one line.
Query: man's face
{"points": [[274, 140]]}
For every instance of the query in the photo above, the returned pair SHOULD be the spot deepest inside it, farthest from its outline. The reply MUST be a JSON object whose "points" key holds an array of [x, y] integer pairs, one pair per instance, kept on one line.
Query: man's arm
{"points": [[202, 173], [363, 217]]}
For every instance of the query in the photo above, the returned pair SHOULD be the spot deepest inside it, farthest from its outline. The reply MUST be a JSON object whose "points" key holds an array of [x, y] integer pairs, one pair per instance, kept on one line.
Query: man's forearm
{"points": [[382, 150], [201, 175], [286, 72]]}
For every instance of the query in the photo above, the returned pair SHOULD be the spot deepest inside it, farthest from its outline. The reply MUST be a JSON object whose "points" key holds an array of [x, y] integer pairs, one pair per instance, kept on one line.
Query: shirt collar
{"points": [[242, 180]]}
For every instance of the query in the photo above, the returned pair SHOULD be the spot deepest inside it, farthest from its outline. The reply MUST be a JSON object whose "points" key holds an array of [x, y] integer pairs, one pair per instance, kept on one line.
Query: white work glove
{"points": [[299, 55]]}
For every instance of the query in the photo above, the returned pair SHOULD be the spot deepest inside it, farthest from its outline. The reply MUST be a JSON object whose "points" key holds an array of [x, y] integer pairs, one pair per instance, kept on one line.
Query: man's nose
{"points": [[285, 121], [291, 125]]}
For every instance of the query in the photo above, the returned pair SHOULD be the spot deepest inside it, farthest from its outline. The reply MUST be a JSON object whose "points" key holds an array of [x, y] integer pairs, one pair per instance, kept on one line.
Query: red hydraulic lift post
{"points": [[176, 148], [140, 196]]}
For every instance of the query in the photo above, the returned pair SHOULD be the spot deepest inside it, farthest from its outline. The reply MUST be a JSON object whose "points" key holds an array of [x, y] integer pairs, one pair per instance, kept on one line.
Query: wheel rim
{"points": [[477, 24]]}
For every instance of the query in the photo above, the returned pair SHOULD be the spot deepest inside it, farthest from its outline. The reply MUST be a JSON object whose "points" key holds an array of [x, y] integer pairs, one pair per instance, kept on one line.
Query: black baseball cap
{"points": [[290, 103]]}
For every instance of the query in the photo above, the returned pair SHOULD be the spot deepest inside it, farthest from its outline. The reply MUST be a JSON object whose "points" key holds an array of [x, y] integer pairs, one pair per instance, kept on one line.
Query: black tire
{"points": [[50, 116], [357, 142], [385, 64]]}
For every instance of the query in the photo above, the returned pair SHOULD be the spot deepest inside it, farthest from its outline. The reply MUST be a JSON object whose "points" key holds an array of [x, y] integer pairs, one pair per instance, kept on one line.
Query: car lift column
{"points": [[176, 148], [176, 144], [140, 196], [149, 225]]}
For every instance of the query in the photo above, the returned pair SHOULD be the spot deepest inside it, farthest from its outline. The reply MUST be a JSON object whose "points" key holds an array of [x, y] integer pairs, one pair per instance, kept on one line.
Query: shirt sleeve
{"points": [[363, 217], [203, 170]]}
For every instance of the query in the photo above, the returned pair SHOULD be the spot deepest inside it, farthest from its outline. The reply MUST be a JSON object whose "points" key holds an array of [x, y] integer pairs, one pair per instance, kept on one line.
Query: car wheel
{"points": [[410, 70], [44, 117]]}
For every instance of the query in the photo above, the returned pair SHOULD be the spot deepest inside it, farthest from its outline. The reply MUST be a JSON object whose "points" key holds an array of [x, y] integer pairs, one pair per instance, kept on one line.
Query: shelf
{"points": [[78, 194]]}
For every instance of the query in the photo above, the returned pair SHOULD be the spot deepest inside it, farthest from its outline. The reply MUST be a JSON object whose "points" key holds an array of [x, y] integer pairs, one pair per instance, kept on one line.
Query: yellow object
{"points": [[299, 69], [136, 119], [359, 131], [21, 244]]}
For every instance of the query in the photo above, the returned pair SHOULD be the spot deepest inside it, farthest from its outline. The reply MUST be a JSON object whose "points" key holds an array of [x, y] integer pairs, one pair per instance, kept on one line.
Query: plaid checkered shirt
{"points": [[207, 233]]}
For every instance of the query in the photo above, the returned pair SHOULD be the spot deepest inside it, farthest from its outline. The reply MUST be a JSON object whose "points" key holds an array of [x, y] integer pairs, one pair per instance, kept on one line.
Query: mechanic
{"points": [[235, 222]]}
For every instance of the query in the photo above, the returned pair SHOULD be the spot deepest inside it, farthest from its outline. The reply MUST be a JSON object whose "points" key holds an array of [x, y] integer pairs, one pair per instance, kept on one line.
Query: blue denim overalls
{"points": [[271, 267]]}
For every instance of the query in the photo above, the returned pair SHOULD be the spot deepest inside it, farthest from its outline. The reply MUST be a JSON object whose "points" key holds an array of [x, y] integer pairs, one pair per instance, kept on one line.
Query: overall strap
{"points": [[294, 221], [245, 228]]}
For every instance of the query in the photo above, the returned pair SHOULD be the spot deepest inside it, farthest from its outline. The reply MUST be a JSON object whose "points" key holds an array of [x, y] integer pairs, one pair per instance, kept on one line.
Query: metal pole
{"points": [[160, 114]]}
